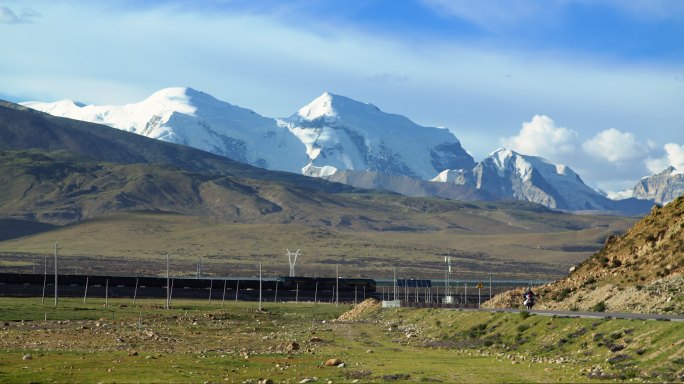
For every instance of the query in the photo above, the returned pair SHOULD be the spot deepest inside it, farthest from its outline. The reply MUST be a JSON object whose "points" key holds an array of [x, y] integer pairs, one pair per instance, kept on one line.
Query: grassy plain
{"points": [[479, 239], [195, 341]]}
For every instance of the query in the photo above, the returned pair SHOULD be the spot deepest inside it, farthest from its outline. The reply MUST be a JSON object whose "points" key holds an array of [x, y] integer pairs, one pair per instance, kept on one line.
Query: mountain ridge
{"points": [[336, 134], [662, 187], [189, 117], [344, 134], [506, 174], [24, 128], [331, 131]]}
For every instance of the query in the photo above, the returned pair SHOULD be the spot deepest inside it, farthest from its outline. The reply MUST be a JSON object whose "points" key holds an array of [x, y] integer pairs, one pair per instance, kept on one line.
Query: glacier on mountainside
{"points": [[189, 117]]}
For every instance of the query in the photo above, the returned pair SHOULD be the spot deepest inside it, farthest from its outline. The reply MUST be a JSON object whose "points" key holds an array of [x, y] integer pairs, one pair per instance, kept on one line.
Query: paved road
{"points": [[598, 315]]}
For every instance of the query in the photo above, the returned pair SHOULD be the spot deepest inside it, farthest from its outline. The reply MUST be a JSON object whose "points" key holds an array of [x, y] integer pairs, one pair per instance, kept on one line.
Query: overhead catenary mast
{"points": [[292, 259], [447, 271]]}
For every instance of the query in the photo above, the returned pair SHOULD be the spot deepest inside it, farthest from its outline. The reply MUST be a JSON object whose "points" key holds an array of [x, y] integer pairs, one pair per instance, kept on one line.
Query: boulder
{"points": [[332, 362]]}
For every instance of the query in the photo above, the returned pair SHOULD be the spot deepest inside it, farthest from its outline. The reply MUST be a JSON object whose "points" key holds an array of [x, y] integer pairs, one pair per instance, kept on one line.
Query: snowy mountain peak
{"points": [[320, 107], [662, 187], [508, 174], [331, 107], [673, 171], [346, 134], [186, 116], [182, 99], [56, 108], [502, 159], [172, 93]]}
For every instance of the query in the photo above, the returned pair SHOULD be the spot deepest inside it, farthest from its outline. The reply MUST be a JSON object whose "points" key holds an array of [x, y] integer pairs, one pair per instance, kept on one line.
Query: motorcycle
{"points": [[529, 302]]}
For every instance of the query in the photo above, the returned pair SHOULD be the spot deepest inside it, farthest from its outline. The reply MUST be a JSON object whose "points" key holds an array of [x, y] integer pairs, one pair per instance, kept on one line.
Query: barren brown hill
{"points": [[640, 271]]}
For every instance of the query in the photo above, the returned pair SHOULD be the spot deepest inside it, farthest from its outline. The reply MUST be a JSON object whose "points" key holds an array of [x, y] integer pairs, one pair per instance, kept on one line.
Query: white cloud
{"points": [[495, 14], [488, 13], [541, 137], [7, 16], [674, 156], [643, 9], [614, 146]]}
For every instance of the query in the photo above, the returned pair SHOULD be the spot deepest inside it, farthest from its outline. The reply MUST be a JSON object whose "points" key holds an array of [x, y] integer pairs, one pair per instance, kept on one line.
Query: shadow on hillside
{"points": [[15, 228]]}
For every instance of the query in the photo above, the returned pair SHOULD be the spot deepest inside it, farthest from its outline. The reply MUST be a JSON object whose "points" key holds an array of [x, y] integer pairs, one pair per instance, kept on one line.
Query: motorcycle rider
{"points": [[529, 297]]}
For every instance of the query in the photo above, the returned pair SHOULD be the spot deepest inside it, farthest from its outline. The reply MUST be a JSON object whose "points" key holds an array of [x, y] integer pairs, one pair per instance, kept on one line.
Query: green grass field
{"points": [[195, 341]]}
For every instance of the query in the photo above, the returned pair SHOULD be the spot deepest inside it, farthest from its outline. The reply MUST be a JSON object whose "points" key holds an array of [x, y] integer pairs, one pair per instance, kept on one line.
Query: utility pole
{"points": [[337, 285], [168, 283], [42, 301], [259, 286], [394, 293], [447, 271], [490, 286], [199, 267], [56, 299]]}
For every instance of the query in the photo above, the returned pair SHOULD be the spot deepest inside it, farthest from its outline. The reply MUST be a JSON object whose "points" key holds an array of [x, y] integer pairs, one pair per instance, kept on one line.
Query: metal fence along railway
{"points": [[411, 292], [278, 288]]}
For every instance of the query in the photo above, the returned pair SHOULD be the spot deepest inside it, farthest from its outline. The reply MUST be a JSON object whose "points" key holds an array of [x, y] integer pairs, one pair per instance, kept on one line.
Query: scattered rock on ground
{"points": [[332, 362]]}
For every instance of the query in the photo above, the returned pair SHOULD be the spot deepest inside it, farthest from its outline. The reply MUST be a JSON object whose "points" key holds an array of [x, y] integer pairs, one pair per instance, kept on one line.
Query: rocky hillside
{"points": [[662, 187], [640, 271]]}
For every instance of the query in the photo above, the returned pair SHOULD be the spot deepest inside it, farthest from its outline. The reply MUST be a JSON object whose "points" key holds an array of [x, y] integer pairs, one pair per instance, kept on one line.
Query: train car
{"points": [[304, 283]]}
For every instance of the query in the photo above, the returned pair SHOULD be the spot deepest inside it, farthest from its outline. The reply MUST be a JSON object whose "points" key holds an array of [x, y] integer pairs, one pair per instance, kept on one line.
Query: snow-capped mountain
{"points": [[662, 187], [532, 178], [508, 174], [338, 138], [344, 134], [189, 117]]}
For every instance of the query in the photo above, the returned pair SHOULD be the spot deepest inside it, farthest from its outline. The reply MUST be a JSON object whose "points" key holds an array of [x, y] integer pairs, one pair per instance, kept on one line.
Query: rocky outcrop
{"points": [[662, 187]]}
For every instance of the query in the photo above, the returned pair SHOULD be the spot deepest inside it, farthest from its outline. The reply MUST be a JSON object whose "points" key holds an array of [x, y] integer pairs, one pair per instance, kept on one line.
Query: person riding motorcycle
{"points": [[529, 297]]}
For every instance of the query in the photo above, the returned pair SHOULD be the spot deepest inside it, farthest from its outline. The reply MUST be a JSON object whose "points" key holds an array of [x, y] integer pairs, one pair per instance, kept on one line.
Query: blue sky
{"points": [[594, 84]]}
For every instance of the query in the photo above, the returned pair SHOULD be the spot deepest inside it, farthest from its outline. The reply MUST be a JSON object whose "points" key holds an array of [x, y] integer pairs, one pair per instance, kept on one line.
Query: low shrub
{"points": [[599, 307]]}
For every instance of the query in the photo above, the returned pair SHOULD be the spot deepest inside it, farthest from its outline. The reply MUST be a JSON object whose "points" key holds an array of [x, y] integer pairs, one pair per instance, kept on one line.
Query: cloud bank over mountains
{"points": [[611, 156], [674, 156], [541, 137]]}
